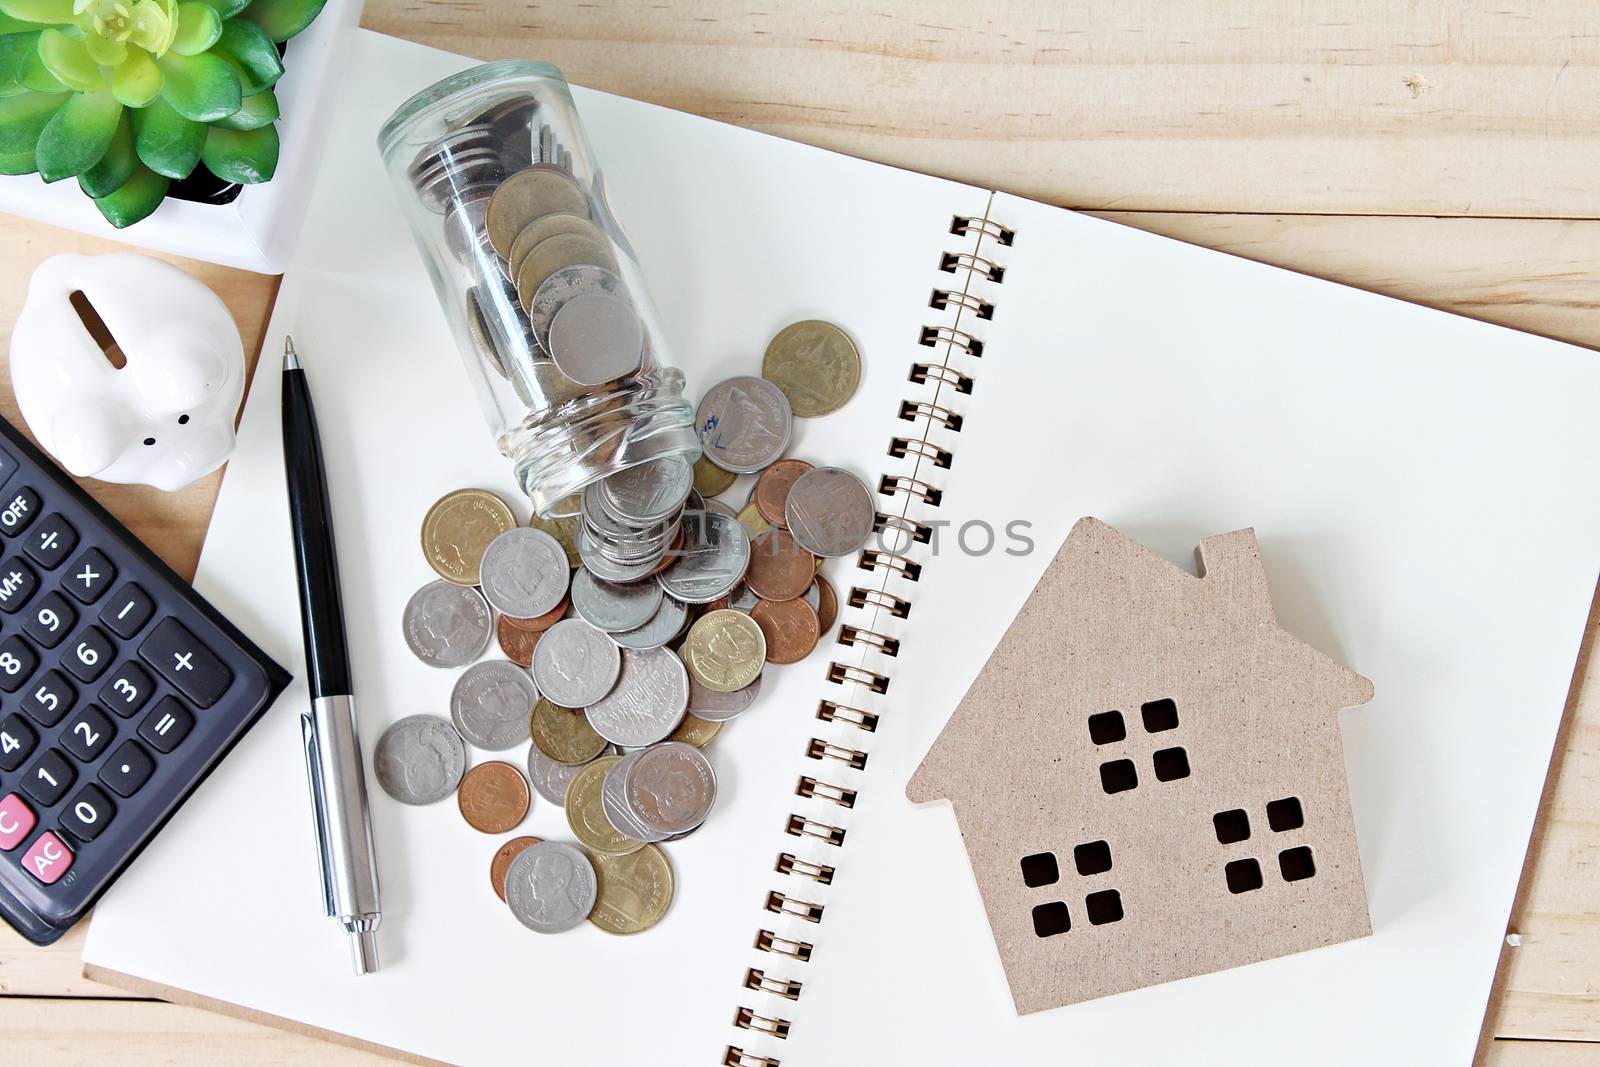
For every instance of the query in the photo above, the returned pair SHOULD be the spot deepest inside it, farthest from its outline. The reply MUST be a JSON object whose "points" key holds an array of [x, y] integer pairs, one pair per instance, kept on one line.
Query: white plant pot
{"points": [[258, 230]]}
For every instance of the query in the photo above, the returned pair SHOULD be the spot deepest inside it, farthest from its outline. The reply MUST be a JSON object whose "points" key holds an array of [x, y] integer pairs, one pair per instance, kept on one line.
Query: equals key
{"points": [[191, 668]]}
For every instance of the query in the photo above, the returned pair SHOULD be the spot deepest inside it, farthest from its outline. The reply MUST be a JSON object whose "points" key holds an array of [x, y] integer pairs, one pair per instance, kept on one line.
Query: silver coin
{"points": [[662, 627], [595, 559], [744, 600], [713, 706], [612, 606], [447, 625], [524, 573], [574, 664], [648, 701], [813, 596], [420, 759], [550, 778], [712, 560], [829, 512], [566, 283], [745, 424], [614, 802], [596, 338], [670, 788], [492, 704], [650, 492], [464, 230], [721, 506], [551, 887], [622, 541]]}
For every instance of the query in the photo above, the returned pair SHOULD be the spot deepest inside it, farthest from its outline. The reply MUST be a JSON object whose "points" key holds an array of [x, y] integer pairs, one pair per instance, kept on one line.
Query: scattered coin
{"points": [[815, 364], [755, 524], [744, 424], [829, 512], [827, 606], [712, 560], [671, 788], [501, 863], [524, 573], [635, 890], [772, 488], [694, 730], [550, 779], [543, 622], [714, 706], [725, 650], [587, 817], [420, 759], [447, 625], [563, 735], [790, 627], [492, 703], [648, 702], [710, 479], [668, 621], [614, 606], [575, 664], [650, 492], [780, 569], [493, 797], [551, 887], [517, 643], [564, 528], [527, 195], [458, 528]]}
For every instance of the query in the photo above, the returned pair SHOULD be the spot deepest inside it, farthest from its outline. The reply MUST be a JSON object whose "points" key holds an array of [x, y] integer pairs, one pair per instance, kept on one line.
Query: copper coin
{"points": [[502, 862], [543, 622], [516, 642], [493, 797], [772, 488], [779, 568], [790, 627], [828, 609]]}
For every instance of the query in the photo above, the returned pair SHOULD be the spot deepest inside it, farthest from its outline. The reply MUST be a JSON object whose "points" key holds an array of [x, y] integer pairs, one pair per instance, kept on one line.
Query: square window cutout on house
{"points": [[1103, 907], [1040, 869], [1171, 764], [1051, 919], [1160, 715], [1092, 858], [1285, 814], [1107, 728], [1118, 776], [1243, 875], [1296, 864], [1232, 825]]}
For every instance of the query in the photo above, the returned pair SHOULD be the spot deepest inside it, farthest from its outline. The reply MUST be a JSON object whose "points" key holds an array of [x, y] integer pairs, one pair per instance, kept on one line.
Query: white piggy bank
{"points": [[166, 416]]}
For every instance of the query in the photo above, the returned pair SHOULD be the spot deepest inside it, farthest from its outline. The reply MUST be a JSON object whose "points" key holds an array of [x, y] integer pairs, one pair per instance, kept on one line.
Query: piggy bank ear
{"points": [[90, 437]]}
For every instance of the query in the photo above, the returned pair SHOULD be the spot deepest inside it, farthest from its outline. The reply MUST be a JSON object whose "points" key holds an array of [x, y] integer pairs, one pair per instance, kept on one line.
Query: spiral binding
{"points": [[830, 781]]}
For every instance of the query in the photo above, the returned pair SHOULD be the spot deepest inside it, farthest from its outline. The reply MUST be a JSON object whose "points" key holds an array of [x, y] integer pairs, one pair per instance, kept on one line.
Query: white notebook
{"points": [[1419, 483]]}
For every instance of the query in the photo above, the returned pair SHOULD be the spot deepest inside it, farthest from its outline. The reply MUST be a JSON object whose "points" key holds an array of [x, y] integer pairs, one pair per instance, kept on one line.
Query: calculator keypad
{"points": [[89, 576], [128, 768], [50, 542]]}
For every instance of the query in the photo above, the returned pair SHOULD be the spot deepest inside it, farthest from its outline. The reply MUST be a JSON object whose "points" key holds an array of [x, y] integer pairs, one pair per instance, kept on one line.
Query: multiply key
{"points": [[179, 657]]}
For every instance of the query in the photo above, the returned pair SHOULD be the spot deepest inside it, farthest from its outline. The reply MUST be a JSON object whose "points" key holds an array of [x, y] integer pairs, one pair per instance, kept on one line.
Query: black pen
{"points": [[328, 731]]}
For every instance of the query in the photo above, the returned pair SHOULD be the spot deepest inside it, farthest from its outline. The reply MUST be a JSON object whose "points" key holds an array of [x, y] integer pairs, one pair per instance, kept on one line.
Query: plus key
{"points": [[191, 668]]}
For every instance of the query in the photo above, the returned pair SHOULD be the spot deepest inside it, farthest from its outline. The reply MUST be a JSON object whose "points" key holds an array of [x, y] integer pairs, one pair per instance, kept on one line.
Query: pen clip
{"points": [[308, 737]]}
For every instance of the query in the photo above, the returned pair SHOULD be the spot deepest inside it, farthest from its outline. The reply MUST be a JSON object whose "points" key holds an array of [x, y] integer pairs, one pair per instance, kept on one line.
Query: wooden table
{"points": [[1442, 152]]}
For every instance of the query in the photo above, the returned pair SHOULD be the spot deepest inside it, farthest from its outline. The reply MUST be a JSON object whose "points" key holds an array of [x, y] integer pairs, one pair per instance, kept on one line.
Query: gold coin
{"points": [[586, 816], [526, 195], [458, 528], [725, 650], [755, 524], [543, 227], [695, 731], [562, 250], [710, 479], [634, 890], [815, 364], [564, 735], [565, 530]]}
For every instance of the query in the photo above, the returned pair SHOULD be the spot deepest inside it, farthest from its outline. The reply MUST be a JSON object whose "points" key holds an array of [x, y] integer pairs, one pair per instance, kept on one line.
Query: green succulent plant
{"points": [[128, 96]]}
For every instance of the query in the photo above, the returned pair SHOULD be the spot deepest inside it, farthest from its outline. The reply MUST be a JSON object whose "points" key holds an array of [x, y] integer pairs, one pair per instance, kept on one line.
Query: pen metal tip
{"points": [[291, 358]]}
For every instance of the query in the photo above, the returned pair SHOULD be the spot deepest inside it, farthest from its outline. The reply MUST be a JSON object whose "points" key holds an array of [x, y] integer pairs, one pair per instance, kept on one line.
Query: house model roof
{"points": [[1148, 775]]}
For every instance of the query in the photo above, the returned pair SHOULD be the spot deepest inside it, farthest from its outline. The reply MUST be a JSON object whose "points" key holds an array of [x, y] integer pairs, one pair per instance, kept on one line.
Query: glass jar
{"points": [[541, 289]]}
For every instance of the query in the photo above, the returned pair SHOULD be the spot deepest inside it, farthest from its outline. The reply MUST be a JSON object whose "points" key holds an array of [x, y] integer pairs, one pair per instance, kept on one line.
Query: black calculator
{"points": [[120, 690]]}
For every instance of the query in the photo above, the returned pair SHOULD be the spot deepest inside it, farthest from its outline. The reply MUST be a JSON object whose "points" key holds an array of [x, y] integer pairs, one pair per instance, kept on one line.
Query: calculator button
{"points": [[88, 813], [88, 654], [88, 734], [128, 768], [126, 691], [168, 723], [49, 698], [17, 661], [50, 541], [17, 584], [180, 658], [89, 576], [16, 741], [16, 821], [48, 859], [48, 780], [50, 620], [18, 510], [8, 466], [126, 613]]}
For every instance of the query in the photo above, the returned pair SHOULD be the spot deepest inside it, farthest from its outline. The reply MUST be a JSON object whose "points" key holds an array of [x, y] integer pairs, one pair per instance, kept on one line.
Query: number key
{"points": [[89, 654], [127, 690], [88, 813], [17, 584], [48, 780], [128, 768], [88, 734], [180, 658], [17, 512], [89, 576], [16, 741], [168, 723], [50, 620], [49, 542], [50, 699], [126, 613], [17, 662]]}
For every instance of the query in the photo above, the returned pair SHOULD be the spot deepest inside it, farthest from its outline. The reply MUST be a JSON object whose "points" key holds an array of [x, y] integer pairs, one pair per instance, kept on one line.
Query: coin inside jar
{"points": [[493, 797], [564, 734], [501, 863], [815, 364], [528, 194], [458, 528], [635, 890], [829, 512], [790, 627], [725, 650], [542, 228], [596, 338], [772, 488], [554, 253], [779, 568]]}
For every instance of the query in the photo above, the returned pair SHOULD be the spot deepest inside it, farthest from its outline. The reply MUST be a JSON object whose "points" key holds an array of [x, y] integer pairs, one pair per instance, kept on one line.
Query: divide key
{"points": [[192, 668]]}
